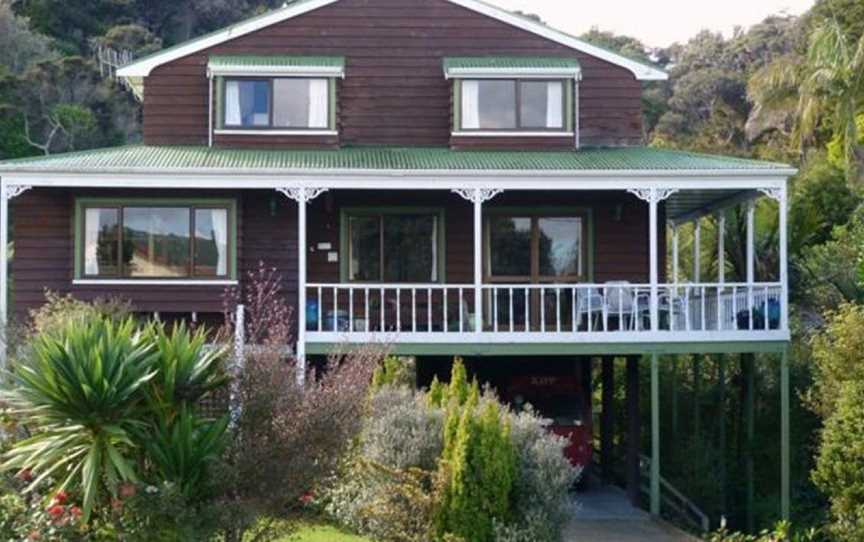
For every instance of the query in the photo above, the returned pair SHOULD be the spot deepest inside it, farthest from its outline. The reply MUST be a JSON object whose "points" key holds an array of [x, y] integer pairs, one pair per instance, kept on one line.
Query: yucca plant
{"points": [[187, 368], [183, 449], [80, 391]]}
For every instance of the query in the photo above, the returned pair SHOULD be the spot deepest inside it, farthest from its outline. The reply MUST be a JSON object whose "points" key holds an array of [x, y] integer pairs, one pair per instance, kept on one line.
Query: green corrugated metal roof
{"points": [[276, 61], [204, 159], [510, 63]]}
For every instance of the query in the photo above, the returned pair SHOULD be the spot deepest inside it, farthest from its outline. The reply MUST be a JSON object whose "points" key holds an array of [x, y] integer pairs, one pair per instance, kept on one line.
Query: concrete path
{"points": [[603, 514]]}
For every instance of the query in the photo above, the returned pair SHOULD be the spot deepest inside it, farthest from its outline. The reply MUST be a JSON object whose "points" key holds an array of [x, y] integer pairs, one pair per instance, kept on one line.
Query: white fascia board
{"points": [[404, 180], [143, 67], [641, 71], [269, 71], [511, 73]]}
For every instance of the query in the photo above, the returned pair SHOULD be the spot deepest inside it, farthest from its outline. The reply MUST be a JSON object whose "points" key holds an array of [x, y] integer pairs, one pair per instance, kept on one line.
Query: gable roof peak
{"points": [[144, 66]]}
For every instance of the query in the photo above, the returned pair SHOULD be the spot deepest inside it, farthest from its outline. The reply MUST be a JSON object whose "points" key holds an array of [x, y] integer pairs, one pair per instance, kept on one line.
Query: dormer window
{"points": [[508, 104], [293, 103], [275, 95], [513, 96]]}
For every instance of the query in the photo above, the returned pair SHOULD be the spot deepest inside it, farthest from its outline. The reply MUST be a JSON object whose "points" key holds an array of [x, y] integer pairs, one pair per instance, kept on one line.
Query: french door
{"points": [[534, 248]]}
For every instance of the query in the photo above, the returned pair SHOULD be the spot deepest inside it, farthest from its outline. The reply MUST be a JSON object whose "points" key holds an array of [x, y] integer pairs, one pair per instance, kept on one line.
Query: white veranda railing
{"points": [[543, 308]]}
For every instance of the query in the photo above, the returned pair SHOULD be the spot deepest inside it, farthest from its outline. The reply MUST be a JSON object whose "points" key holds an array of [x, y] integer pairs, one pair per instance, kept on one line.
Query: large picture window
{"points": [[398, 246], [155, 241], [508, 105], [281, 103], [537, 248]]}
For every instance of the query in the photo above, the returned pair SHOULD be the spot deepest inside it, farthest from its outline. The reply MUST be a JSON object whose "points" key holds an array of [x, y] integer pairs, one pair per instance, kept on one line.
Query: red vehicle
{"points": [[561, 399]]}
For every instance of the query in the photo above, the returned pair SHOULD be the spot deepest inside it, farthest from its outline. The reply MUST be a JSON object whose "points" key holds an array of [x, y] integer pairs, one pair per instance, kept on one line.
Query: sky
{"points": [[657, 23]]}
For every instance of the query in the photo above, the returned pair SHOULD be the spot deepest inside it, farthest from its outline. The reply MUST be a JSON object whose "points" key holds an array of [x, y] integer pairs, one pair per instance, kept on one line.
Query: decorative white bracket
{"points": [[301, 194], [477, 195], [774, 193], [653, 194], [15, 190]]}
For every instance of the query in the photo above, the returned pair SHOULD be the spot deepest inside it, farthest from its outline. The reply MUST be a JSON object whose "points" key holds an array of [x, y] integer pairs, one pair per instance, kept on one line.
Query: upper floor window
{"points": [[155, 240], [514, 95], [510, 104], [290, 103], [275, 94]]}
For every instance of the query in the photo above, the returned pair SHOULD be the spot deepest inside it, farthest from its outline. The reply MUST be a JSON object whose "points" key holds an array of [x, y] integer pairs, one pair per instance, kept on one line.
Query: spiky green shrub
{"points": [[183, 449], [187, 369], [80, 390]]}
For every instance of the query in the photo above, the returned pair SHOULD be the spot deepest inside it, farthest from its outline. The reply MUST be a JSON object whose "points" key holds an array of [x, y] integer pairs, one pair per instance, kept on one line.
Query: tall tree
{"points": [[828, 87]]}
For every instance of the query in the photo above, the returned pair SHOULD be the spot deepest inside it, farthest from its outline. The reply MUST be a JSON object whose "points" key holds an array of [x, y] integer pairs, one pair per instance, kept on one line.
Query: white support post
{"points": [[653, 196], [654, 271], [478, 196], [751, 257], [302, 195], [478, 264], [721, 247], [784, 258], [235, 401], [675, 258], [780, 195], [7, 192], [697, 251]]}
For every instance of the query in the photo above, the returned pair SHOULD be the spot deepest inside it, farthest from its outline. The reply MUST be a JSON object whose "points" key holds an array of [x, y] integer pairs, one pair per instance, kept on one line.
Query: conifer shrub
{"points": [[452, 464]]}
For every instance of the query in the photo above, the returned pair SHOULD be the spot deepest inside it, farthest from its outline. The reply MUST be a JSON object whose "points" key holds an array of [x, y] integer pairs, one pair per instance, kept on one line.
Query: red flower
{"points": [[127, 490], [56, 511], [75, 511], [61, 497], [307, 497]]}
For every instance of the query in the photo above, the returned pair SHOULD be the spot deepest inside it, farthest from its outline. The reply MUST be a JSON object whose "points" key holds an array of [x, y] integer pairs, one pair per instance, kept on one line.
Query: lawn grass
{"points": [[311, 532]]}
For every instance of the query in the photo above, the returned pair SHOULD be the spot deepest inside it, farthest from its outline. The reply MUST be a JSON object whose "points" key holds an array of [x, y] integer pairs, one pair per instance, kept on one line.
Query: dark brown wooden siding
{"points": [[44, 250], [394, 91], [42, 231], [620, 247]]}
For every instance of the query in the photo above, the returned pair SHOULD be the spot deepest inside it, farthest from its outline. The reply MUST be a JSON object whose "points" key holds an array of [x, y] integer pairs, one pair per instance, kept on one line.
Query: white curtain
{"points": [[319, 100], [91, 241], [219, 219], [554, 105], [233, 117], [470, 105]]}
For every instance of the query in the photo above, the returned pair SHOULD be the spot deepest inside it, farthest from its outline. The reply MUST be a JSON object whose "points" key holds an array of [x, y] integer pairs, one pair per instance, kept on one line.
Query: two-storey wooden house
{"points": [[443, 175]]}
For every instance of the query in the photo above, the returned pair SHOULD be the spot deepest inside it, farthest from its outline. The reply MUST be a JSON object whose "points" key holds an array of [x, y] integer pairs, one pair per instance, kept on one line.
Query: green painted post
{"points": [[655, 435], [784, 436], [749, 420], [674, 362], [721, 419], [697, 391]]}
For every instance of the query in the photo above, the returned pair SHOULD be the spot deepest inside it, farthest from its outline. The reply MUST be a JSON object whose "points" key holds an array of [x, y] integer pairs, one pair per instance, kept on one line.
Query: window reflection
{"points": [[510, 246], [156, 242]]}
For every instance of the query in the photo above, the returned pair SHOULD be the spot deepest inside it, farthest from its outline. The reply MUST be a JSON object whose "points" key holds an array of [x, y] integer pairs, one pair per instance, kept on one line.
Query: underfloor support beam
{"points": [[784, 436], [634, 429], [655, 435], [607, 416]]}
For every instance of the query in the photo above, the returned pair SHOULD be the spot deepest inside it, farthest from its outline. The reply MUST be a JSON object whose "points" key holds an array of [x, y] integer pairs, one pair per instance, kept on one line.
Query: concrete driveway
{"points": [[603, 514]]}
